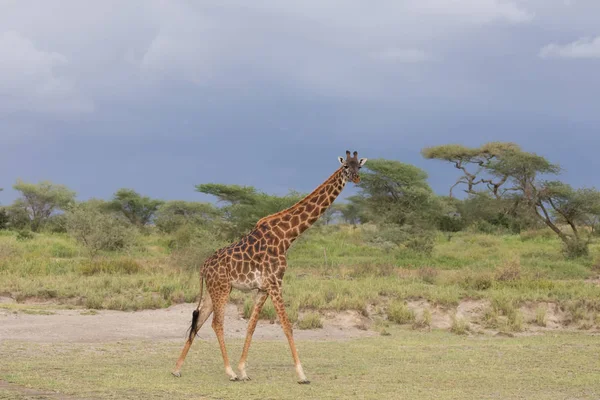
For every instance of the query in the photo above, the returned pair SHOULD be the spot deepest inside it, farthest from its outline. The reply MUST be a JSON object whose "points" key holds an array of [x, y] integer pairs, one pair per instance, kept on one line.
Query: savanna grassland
{"points": [[406, 364], [493, 296], [331, 268]]}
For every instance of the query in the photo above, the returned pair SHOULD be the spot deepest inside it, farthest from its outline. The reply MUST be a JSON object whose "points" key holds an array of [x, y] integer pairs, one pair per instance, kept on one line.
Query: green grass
{"points": [[405, 364], [353, 275]]}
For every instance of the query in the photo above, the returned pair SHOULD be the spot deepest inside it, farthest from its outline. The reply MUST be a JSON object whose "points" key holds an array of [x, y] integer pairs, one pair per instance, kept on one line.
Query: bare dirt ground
{"points": [[68, 326], [54, 325], [77, 325]]}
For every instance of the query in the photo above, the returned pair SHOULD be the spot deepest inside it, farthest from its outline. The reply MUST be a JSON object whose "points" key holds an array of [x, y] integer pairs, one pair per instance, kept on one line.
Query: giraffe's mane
{"points": [[290, 209]]}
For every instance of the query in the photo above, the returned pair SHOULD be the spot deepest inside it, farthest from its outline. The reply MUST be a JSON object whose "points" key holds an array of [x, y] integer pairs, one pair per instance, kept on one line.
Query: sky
{"points": [[160, 96]]}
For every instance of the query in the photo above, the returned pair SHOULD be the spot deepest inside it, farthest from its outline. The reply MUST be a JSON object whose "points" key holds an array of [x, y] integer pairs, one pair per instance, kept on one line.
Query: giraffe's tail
{"points": [[196, 313]]}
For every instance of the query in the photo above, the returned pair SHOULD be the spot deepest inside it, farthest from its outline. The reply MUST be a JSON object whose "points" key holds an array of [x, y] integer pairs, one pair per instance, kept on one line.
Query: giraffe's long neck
{"points": [[291, 222]]}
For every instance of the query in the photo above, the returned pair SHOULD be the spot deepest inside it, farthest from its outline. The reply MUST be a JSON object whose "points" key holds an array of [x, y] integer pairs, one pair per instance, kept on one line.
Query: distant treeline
{"points": [[504, 185]]}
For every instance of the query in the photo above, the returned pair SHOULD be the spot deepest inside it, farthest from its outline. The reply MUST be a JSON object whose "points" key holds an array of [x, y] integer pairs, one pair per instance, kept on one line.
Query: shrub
{"points": [[311, 320], [509, 272], [490, 318], [459, 325], [94, 302], [422, 244], [424, 321], [451, 223], [173, 215], [56, 224], [23, 235], [399, 313], [575, 248], [98, 231], [192, 246], [4, 218], [515, 321]]}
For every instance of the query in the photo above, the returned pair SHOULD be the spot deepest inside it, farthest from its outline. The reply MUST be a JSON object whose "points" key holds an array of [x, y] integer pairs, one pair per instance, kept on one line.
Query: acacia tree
{"points": [[244, 205], [39, 201], [174, 214], [397, 198], [509, 173], [138, 209], [394, 192], [352, 211]]}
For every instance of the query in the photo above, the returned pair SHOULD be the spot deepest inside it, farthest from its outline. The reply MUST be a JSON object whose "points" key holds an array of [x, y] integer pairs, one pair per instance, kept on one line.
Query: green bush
{"points": [[399, 313], [98, 231], [191, 246], [390, 236], [4, 218], [23, 235], [575, 248], [459, 325]]}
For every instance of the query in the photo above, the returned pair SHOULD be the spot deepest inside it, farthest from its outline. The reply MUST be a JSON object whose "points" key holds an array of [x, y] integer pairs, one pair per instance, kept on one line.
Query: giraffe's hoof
{"points": [[234, 378], [176, 374], [304, 382], [245, 378]]}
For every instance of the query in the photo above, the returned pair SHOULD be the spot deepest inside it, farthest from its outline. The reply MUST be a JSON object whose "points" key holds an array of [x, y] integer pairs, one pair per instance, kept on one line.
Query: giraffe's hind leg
{"points": [[206, 308], [220, 298], [261, 297]]}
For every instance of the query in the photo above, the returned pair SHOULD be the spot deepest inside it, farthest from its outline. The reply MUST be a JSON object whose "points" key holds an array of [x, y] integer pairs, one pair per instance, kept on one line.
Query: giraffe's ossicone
{"points": [[258, 262]]}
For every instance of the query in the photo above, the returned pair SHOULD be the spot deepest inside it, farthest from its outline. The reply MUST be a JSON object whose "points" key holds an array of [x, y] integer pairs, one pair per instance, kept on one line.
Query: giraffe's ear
{"points": [[362, 161], [342, 161]]}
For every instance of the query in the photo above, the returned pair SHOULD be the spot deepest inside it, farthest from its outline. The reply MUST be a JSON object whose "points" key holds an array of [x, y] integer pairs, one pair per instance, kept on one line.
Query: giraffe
{"points": [[258, 262]]}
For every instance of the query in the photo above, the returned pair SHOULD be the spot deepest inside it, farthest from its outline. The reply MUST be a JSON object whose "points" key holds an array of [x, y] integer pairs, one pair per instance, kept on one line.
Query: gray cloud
{"points": [[33, 80], [142, 91], [334, 48], [586, 47]]}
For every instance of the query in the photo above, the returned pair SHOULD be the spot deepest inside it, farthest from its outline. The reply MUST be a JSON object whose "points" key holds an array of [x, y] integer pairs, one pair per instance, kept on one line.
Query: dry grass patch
{"points": [[311, 320], [399, 313]]}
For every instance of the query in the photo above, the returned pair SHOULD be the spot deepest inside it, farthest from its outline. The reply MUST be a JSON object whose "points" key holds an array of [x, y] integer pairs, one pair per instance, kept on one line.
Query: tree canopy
{"points": [[171, 215], [244, 205], [394, 192], [39, 201], [509, 173], [138, 209]]}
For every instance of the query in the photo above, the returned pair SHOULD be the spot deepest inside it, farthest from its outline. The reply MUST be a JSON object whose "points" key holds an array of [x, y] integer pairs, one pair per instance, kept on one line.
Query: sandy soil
{"points": [[163, 324]]}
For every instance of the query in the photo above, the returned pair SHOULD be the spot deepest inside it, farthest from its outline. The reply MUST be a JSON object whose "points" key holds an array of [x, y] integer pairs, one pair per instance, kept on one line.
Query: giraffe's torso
{"points": [[254, 262]]}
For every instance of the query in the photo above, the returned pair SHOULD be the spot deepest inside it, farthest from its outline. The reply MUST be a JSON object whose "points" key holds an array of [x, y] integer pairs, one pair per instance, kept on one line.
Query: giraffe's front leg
{"points": [[287, 329], [261, 297]]}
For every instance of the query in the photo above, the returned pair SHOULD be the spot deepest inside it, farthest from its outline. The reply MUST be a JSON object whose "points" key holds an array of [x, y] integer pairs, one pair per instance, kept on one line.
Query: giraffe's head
{"points": [[351, 165]]}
